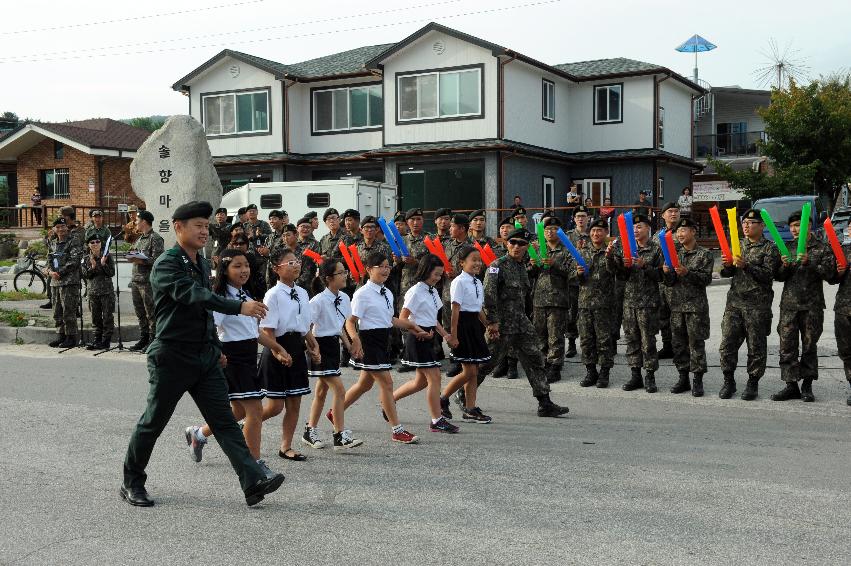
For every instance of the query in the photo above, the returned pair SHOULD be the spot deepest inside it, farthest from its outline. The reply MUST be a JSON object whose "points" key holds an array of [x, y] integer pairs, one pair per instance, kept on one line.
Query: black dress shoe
{"points": [[256, 493], [136, 496]]}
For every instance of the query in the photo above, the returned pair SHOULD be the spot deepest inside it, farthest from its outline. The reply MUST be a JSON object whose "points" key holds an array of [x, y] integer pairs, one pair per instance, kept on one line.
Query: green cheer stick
{"points": [[778, 239], [805, 227], [534, 255], [542, 243]]}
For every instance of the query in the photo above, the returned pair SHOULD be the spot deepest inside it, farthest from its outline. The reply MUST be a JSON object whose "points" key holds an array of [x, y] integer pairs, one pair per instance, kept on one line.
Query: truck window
{"points": [[271, 201], [318, 200]]}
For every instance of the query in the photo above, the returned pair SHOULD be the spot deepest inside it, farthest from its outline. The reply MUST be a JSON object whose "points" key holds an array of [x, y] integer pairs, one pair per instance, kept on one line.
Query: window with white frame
{"points": [[548, 101], [347, 108], [549, 189], [236, 113], [54, 184], [661, 126], [660, 188], [608, 104], [440, 94]]}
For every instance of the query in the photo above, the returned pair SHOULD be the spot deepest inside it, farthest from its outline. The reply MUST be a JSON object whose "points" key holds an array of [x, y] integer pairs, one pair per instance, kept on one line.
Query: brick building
{"points": [[84, 163]]}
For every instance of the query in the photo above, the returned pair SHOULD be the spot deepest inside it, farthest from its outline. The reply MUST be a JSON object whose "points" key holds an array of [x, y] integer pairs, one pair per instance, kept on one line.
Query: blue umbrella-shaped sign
{"points": [[696, 44]]}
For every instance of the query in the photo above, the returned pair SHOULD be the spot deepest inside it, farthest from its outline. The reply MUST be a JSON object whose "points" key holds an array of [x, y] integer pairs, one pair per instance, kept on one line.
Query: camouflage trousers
{"points": [[689, 331], [842, 330], [550, 324], [66, 302], [808, 325], [665, 320], [102, 308], [571, 331], [143, 304], [640, 327], [739, 326], [526, 349], [595, 337], [617, 319]]}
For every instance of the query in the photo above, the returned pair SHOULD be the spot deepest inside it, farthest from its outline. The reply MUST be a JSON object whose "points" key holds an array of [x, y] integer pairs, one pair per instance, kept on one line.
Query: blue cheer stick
{"points": [[388, 235], [573, 251], [400, 241]]}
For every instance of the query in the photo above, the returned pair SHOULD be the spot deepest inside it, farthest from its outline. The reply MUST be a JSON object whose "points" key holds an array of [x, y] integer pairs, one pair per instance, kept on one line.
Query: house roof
{"points": [[605, 67], [102, 136]]}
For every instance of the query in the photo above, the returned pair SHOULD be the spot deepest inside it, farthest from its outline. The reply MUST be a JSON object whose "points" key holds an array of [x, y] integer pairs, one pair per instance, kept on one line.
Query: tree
{"points": [[9, 120], [149, 123]]}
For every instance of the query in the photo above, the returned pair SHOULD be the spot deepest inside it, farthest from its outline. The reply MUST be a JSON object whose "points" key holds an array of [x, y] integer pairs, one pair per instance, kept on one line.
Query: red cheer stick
{"points": [[348, 259], [356, 257], [719, 231], [441, 253], [672, 249], [490, 252], [830, 231], [313, 255], [482, 252], [627, 252]]}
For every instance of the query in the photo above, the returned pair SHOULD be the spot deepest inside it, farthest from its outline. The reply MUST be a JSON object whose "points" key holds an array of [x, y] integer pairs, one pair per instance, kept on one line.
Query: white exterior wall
{"points": [[421, 56], [734, 108], [301, 139], [676, 100], [635, 132], [523, 120], [217, 79]]}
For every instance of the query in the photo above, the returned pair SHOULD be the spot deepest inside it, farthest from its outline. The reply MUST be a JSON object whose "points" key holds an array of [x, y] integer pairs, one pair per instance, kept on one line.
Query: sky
{"points": [[76, 60]]}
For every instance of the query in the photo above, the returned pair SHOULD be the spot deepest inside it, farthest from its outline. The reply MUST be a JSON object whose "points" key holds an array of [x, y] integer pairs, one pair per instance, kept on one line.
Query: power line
{"points": [[130, 19], [38, 56], [297, 36]]}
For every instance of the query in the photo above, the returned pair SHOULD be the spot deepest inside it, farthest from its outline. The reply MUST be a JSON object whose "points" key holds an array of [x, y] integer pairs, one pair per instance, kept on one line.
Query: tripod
{"points": [[120, 345]]}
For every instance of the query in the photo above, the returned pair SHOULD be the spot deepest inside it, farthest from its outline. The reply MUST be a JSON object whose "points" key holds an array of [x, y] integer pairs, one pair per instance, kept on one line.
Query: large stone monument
{"points": [[173, 167]]}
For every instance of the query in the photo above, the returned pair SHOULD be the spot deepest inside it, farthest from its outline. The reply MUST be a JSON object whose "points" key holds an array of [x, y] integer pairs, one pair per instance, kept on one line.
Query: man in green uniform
{"points": [[689, 307], [186, 356], [442, 221], [842, 312], [671, 218], [97, 227], [747, 316], [369, 241], [98, 268], [219, 233], [257, 230], [148, 248], [509, 330], [276, 221], [306, 241], [329, 244], [579, 238], [63, 264], [802, 313]]}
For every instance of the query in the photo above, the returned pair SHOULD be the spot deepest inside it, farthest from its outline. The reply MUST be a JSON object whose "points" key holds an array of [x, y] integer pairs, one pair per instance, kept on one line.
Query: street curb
{"points": [[41, 335], [722, 281]]}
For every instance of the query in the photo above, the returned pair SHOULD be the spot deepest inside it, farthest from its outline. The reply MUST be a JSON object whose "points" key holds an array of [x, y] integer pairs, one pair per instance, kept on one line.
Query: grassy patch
{"points": [[14, 318], [7, 262], [20, 296]]}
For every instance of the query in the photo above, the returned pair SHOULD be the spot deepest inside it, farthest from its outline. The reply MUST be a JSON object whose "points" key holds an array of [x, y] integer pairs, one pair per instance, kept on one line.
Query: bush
{"points": [[8, 246], [13, 318]]}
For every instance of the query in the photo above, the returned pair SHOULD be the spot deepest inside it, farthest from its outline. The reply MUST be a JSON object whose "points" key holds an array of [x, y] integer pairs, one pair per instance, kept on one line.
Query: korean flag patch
{"points": [[493, 269]]}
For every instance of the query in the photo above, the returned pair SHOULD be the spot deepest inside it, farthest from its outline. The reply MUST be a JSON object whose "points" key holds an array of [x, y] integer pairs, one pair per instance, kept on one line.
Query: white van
{"points": [[300, 197]]}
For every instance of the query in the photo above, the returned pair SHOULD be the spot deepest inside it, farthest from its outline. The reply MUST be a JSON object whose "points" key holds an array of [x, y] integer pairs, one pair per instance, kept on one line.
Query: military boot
{"points": [[69, 342], [591, 376], [59, 339], [667, 352], [729, 386], [752, 389], [650, 382], [95, 343], [791, 391], [512, 368], [807, 390], [697, 385], [501, 369], [140, 346], [554, 374], [106, 342], [683, 384], [571, 349], [546, 408], [635, 382], [603, 382]]}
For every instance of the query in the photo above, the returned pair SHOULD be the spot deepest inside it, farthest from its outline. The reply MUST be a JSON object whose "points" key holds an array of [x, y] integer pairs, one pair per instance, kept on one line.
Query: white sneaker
{"points": [[343, 440], [311, 438], [196, 446]]}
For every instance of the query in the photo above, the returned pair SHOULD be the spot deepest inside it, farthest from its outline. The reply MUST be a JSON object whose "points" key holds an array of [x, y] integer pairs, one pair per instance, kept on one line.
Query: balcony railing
{"points": [[729, 145]]}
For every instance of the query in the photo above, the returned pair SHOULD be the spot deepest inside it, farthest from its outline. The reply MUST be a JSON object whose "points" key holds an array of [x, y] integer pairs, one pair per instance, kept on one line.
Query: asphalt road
{"points": [[626, 478]]}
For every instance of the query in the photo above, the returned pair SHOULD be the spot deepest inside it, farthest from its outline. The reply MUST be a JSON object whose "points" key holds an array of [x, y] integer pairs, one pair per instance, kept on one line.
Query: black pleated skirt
{"points": [[375, 354], [329, 348], [472, 348], [419, 353], [241, 370], [280, 381]]}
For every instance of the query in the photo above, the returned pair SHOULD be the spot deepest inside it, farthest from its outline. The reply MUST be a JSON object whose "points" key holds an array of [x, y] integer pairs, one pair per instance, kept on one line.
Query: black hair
{"points": [[373, 259], [685, 189], [238, 240], [326, 270], [279, 253], [428, 263], [220, 283], [465, 251]]}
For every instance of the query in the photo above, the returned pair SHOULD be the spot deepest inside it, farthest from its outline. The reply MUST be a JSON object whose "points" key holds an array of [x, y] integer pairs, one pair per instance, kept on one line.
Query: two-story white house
{"points": [[452, 119]]}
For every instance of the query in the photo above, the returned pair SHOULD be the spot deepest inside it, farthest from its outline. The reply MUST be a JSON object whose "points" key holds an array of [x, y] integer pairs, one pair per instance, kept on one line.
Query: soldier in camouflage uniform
{"points": [[129, 233], [506, 226], [442, 221], [306, 241], [63, 264], [642, 274], [415, 242], [458, 228], [219, 234], [595, 305], [671, 219], [370, 243], [579, 238], [747, 316], [151, 244], [98, 269], [802, 313], [509, 329], [842, 312], [97, 227], [351, 225], [477, 234], [255, 229], [329, 244], [550, 301], [276, 221], [686, 291]]}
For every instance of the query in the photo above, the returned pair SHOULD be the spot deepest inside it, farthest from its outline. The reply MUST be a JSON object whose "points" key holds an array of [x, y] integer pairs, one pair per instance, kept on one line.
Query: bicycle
{"points": [[30, 279]]}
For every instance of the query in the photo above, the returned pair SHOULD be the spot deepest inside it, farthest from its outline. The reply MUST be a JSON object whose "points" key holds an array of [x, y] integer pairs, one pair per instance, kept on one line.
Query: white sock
{"points": [[398, 428], [434, 421]]}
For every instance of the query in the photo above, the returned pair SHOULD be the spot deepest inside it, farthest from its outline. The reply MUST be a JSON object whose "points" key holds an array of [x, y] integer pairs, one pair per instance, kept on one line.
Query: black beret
{"points": [[277, 214], [461, 219], [752, 214], [685, 223], [290, 228], [475, 213], [552, 221], [312, 214], [303, 220], [351, 213], [638, 218], [193, 209], [93, 236], [519, 211], [442, 212], [520, 234], [251, 206], [94, 211], [399, 217], [241, 211], [368, 220], [599, 223], [60, 220], [580, 208], [146, 216], [413, 212], [328, 213], [548, 214], [225, 210], [795, 217], [669, 205], [234, 226], [507, 220]]}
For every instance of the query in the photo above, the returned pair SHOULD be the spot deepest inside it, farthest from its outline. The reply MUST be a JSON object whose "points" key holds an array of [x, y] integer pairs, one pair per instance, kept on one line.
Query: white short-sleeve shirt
{"points": [[373, 305], [330, 312], [423, 301], [468, 292], [289, 310], [235, 327]]}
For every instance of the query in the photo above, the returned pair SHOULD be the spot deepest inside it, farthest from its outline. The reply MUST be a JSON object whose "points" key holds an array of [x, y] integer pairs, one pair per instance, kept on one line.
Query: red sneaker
{"points": [[330, 415], [405, 437]]}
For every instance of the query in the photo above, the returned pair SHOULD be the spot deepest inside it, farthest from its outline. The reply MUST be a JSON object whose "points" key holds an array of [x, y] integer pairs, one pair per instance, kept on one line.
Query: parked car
{"points": [[840, 220], [781, 208]]}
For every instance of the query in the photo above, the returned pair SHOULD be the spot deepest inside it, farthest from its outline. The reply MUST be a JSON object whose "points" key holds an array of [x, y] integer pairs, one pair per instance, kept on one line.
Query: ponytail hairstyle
{"points": [[220, 283], [428, 263], [326, 270], [373, 259]]}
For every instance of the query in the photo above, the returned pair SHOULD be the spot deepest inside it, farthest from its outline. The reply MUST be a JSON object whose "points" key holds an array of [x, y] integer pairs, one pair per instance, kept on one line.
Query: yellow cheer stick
{"points": [[735, 246]]}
